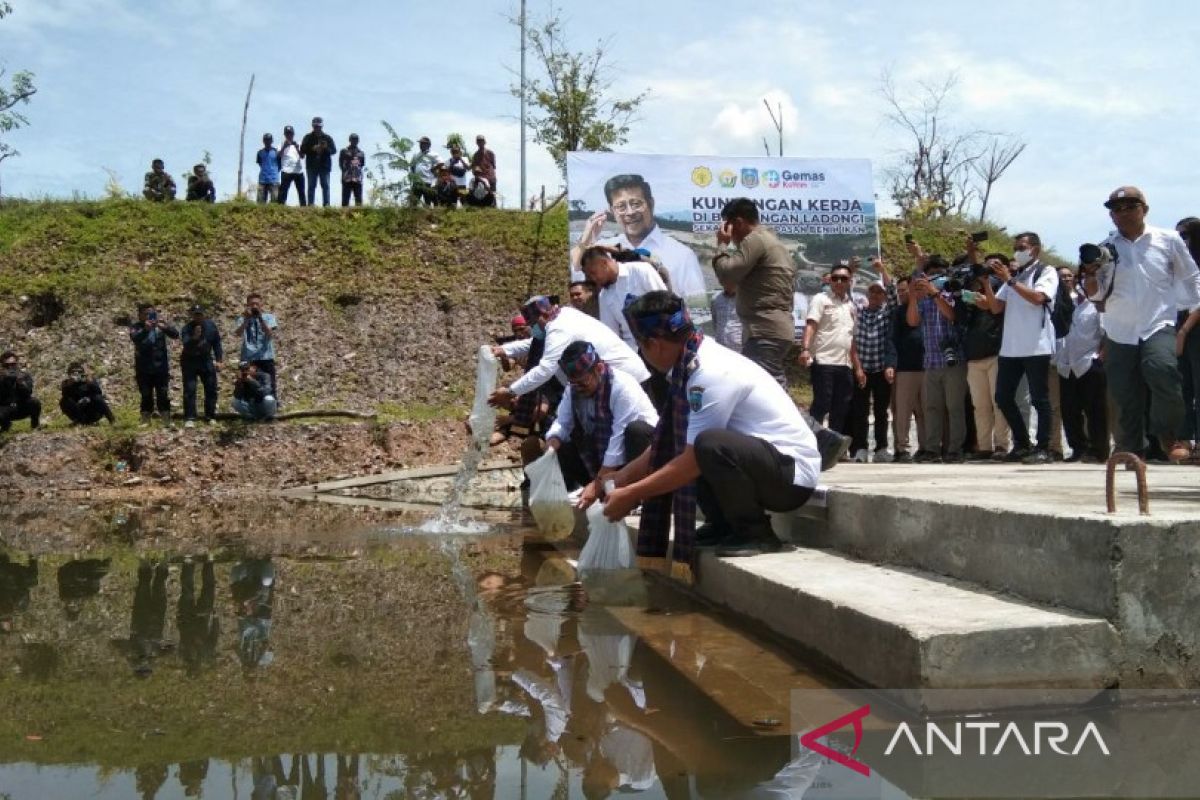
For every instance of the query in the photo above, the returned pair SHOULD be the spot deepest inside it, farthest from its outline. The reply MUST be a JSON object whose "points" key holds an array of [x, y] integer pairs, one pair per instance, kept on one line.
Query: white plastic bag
{"points": [[548, 501], [483, 416], [608, 546]]}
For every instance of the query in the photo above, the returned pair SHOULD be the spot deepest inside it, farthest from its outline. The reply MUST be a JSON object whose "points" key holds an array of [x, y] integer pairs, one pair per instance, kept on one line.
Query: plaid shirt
{"points": [[873, 334], [938, 333]]}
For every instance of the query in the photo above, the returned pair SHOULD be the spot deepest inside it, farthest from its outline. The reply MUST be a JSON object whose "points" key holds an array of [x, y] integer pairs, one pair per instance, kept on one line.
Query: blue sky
{"points": [[1099, 90]]}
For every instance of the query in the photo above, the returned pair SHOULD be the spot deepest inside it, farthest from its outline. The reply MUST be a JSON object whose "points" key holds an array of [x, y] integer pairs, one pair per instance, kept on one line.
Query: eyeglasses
{"points": [[629, 207], [1120, 208], [840, 278]]}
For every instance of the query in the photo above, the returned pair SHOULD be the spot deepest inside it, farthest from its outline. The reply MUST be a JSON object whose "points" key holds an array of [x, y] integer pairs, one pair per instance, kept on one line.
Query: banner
{"points": [[822, 209]]}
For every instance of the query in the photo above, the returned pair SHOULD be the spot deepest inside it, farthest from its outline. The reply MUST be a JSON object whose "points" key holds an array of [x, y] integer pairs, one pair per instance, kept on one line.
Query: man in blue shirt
{"points": [[945, 363], [268, 170], [201, 358], [256, 328]]}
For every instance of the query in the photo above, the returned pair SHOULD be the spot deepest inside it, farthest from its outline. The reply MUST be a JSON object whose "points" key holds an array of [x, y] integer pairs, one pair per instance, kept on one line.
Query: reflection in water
{"points": [[254, 595], [149, 617], [199, 626], [16, 581], [78, 580]]}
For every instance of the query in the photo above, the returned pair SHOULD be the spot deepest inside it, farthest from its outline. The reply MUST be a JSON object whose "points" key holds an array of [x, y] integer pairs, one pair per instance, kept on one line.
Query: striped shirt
{"points": [[873, 335], [938, 334]]}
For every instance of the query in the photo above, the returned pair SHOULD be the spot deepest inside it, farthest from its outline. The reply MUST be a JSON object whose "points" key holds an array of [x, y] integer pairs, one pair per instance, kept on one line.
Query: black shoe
{"points": [[978, 455], [711, 535], [833, 446], [1038, 457], [927, 457], [953, 458], [1017, 455], [737, 547], [902, 458]]}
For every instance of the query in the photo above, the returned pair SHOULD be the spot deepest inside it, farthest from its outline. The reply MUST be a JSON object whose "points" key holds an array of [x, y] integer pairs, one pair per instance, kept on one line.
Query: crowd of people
{"points": [[434, 179], [201, 358]]}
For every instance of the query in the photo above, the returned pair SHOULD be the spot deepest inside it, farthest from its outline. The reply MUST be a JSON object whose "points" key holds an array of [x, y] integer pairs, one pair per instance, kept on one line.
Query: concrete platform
{"points": [[1040, 534], [902, 629]]}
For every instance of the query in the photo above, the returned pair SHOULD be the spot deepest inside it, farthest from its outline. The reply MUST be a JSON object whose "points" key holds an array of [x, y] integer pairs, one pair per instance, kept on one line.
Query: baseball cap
{"points": [[288, 129], [518, 321], [318, 121], [425, 139], [197, 309], [1126, 193]]}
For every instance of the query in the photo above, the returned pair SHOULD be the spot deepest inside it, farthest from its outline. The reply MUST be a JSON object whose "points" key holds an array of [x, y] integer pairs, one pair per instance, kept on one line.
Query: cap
{"points": [[518, 321], [288, 129], [479, 138], [197, 309], [354, 137], [318, 121], [244, 364], [841, 262], [1126, 193], [424, 139]]}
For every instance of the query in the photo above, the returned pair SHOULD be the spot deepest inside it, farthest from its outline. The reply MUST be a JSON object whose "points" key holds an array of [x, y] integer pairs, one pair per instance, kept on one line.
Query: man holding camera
{"points": [[1080, 365], [252, 398], [152, 363], [16, 394], [82, 398], [318, 149], [256, 328], [1153, 274], [945, 386], [201, 358], [1027, 344]]}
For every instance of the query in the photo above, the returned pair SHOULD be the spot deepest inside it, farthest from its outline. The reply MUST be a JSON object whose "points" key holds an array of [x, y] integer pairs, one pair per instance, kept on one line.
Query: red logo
{"points": [[854, 718]]}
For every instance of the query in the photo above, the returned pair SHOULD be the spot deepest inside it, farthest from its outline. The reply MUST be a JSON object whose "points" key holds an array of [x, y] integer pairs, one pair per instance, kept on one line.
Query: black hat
{"points": [[425, 139], [318, 121], [288, 129], [197, 309], [354, 137]]}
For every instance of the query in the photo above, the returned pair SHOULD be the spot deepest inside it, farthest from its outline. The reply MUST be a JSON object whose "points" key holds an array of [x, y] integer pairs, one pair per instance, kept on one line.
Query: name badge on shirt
{"points": [[695, 397]]}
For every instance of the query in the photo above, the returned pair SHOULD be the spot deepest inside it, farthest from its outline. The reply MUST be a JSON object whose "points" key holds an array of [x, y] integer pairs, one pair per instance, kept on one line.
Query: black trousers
{"points": [[292, 179], [30, 409], [206, 374], [88, 411], [768, 354], [833, 391], [154, 390], [1086, 397], [267, 367], [351, 190], [875, 397], [638, 436], [741, 478]]}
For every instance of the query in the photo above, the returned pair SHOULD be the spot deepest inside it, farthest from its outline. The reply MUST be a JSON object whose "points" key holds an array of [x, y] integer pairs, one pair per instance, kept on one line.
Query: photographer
{"points": [[82, 398], [1080, 365], [201, 345], [200, 186], [983, 334], [16, 394], [256, 328], [936, 312], [1026, 345], [151, 362], [252, 398]]}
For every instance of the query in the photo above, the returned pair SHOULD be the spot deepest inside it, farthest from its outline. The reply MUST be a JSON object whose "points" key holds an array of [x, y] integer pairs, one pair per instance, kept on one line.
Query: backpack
{"points": [[1061, 310]]}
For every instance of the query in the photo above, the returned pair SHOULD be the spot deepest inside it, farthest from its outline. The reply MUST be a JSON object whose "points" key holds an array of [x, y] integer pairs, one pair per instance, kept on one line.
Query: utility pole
{"points": [[778, 122], [523, 195]]}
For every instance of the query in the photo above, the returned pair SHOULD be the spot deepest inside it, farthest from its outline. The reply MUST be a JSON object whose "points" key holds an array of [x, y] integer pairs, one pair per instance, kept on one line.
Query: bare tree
{"points": [[242, 142], [993, 164], [572, 104]]}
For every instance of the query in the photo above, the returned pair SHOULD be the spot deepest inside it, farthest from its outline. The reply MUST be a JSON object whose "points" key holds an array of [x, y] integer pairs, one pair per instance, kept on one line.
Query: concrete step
{"points": [[902, 629]]}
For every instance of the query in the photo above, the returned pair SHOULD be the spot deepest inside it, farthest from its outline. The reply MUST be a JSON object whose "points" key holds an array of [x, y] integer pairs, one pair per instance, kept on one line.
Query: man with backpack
{"points": [[1027, 300]]}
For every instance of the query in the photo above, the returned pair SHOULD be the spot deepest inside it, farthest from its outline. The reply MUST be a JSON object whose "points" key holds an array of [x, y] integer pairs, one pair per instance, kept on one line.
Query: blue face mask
{"points": [[537, 331]]}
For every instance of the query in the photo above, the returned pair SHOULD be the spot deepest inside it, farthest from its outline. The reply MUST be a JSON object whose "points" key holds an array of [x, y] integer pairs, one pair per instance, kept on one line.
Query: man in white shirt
{"points": [[631, 203], [828, 351], [1083, 388], [731, 442], [422, 177], [1027, 345], [617, 281], [1153, 271], [557, 327], [291, 167], [604, 420]]}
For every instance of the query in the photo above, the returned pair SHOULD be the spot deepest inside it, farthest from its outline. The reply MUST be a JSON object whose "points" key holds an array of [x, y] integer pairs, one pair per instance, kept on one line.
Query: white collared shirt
{"points": [[1144, 296], [1028, 327], [574, 326], [687, 280], [633, 278], [729, 391], [1079, 348], [627, 402]]}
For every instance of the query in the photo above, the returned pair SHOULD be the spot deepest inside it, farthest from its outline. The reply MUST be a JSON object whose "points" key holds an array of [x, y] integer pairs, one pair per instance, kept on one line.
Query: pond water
{"points": [[301, 650]]}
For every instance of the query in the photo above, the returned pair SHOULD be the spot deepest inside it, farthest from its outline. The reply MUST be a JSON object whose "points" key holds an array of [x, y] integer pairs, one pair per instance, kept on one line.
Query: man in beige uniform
{"points": [[752, 258]]}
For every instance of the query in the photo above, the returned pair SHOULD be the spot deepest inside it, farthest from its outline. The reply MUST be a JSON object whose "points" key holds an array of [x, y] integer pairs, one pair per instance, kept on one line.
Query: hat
{"points": [[479, 138], [1126, 193], [518, 321], [318, 121], [288, 129], [841, 262], [267, 137], [354, 137], [536, 307], [197, 309], [424, 139], [579, 361], [244, 364]]}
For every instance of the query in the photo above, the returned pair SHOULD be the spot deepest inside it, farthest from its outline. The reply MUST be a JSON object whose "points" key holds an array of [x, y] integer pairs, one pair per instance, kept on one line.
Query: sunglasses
{"points": [[840, 279], [1122, 207]]}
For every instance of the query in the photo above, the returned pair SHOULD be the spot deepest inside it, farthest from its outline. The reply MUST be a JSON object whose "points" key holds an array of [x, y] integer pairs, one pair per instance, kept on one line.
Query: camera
{"points": [[625, 256]]}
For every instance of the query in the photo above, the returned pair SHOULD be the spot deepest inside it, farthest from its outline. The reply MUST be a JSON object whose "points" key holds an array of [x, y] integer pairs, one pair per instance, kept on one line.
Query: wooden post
{"points": [[242, 143]]}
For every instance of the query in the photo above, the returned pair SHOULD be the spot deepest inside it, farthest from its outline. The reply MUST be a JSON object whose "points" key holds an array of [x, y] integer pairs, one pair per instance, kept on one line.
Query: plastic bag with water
{"points": [[483, 416], [607, 563], [548, 500]]}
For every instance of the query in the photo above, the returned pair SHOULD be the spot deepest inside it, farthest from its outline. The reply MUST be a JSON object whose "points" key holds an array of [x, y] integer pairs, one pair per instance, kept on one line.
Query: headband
{"points": [[657, 324], [582, 364]]}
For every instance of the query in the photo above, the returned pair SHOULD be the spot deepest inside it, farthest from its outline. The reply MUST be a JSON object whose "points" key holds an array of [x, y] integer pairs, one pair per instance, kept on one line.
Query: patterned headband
{"points": [[648, 326], [583, 363]]}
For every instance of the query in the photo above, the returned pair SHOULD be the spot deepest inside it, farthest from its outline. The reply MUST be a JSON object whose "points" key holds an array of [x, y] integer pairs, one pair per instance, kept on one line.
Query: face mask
{"points": [[537, 331], [1022, 257]]}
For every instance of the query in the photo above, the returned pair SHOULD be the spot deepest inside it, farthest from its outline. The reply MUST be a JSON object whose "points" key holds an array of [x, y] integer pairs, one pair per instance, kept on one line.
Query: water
{"points": [[275, 651]]}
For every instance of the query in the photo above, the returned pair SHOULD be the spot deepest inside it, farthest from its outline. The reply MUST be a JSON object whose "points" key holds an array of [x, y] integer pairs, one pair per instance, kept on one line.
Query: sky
{"points": [[1100, 90]]}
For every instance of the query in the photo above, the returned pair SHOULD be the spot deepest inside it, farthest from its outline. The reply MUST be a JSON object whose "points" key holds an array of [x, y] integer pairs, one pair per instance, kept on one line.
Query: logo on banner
{"points": [[749, 177], [702, 176], [771, 179], [854, 718], [728, 179]]}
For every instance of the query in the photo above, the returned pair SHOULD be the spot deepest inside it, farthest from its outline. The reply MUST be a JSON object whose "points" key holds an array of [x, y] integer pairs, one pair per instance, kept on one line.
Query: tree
{"points": [[943, 170], [18, 93], [390, 178], [572, 108]]}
